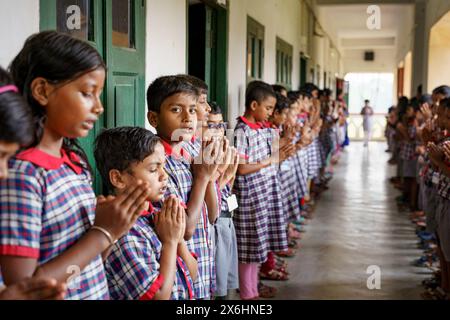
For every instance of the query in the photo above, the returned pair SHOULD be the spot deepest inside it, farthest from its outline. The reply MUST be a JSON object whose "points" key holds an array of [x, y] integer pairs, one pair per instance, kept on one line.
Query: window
{"points": [[122, 23], [75, 17], [255, 50], [284, 63]]}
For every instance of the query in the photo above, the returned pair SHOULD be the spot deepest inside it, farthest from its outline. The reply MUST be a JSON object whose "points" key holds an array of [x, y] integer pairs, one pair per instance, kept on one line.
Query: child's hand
{"points": [[426, 111], [446, 149], [435, 152], [118, 214], [226, 159], [208, 163], [170, 223], [231, 170], [34, 289]]}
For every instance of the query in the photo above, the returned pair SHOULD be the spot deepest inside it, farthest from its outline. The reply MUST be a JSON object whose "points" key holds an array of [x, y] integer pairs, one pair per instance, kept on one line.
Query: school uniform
{"points": [[408, 154], [46, 205], [257, 220], [133, 266], [300, 161], [180, 180], [290, 188], [314, 159], [226, 253], [443, 212]]}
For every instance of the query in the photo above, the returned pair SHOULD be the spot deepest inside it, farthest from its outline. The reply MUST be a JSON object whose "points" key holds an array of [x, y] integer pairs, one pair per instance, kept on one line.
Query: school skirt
{"points": [[300, 163], [314, 159], [278, 237], [443, 225], [290, 188], [409, 168], [429, 203]]}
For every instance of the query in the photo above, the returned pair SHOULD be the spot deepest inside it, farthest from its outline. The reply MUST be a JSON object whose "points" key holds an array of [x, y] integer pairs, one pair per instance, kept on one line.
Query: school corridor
{"points": [[356, 225]]}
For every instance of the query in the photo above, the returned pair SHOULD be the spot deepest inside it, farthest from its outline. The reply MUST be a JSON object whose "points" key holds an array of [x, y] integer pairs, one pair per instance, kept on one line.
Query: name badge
{"points": [[232, 203], [435, 178]]}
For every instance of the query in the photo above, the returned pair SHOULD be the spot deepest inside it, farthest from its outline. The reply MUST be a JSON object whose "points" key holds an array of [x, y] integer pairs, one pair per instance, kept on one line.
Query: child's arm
{"points": [[190, 261], [202, 175], [211, 199], [114, 215], [169, 226]]}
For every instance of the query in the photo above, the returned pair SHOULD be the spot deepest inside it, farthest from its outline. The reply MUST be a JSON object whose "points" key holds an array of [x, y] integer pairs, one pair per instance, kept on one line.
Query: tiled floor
{"points": [[356, 225]]}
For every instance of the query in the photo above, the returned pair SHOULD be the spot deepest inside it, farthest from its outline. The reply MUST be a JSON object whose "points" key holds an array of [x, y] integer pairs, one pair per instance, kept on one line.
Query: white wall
{"points": [[18, 20], [280, 18], [165, 39], [354, 61]]}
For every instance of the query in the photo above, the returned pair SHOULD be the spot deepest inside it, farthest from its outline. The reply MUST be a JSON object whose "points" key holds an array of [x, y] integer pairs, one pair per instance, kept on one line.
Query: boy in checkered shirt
{"points": [[152, 261], [172, 103]]}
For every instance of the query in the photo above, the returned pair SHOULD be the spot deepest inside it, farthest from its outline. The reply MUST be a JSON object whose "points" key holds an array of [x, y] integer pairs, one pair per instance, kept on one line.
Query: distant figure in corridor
{"points": [[367, 113]]}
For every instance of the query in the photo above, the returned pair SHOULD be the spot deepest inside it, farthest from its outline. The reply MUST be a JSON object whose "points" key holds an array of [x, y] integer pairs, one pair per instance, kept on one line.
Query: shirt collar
{"points": [[149, 212], [252, 125], [169, 151], [50, 162]]}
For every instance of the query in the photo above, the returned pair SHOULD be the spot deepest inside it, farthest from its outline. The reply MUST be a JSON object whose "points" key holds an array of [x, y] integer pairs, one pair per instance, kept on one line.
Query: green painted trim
{"points": [[47, 15]]}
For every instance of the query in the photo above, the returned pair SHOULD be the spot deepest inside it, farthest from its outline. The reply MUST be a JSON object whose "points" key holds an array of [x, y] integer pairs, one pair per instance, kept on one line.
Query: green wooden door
{"points": [[207, 48], [116, 28], [125, 57]]}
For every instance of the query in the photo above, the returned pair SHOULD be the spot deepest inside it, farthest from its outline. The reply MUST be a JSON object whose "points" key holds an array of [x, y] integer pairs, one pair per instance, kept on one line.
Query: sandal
{"points": [[293, 244], [274, 275], [266, 291], [289, 253]]}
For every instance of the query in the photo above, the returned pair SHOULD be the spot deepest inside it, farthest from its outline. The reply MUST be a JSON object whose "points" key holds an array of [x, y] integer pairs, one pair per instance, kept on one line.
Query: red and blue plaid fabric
{"points": [[133, 266], [254, 192], [180, 182], [443, 186], [43, 212], [314, 158], [408, 148]]}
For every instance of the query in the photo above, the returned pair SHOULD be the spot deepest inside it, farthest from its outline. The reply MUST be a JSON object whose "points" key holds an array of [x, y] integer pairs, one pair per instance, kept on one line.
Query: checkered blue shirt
{"points": [[408, 148], [43, 213], [180, 184], [132, 268]]}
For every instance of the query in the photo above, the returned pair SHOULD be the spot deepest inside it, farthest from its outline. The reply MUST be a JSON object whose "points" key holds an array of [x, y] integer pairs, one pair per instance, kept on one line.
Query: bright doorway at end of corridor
{"points": [[379, 89]]}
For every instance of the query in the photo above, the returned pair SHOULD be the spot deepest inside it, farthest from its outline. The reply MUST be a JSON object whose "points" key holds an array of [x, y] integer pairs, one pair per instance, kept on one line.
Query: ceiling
{"points": [[346, 25]]}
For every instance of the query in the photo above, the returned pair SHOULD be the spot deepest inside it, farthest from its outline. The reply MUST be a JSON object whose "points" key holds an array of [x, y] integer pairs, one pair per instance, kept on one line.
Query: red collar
{"points": [[169, 151], [49, 162], [254, 126], [149, 212]]}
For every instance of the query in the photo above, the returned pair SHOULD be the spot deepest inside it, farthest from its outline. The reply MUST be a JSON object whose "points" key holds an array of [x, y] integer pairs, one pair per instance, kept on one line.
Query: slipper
{"points": [[289, 253], [273, 275], [266, 292]]}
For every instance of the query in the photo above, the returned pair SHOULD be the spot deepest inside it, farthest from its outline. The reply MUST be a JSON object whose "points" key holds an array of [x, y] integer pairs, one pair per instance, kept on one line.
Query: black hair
{"points": [[445, 103], [201, 85], [58, 58], [414, 102], [167, 86], [402, 107], [366, 101], [278, 88], [327, 92], [16, 121], [294, 95], [215, 108], [282, 103], [309, 87], [426, 98], [258, 91], [118, 148], [443, 90], [306, 94]]}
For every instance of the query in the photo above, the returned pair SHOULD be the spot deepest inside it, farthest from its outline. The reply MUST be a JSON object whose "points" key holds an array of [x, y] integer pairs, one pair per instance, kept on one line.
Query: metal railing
{"points": [[356, 131]]}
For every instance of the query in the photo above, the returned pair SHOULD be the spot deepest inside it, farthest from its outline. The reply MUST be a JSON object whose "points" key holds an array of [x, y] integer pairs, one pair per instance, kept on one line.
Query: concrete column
{"points": [[420, 48]]}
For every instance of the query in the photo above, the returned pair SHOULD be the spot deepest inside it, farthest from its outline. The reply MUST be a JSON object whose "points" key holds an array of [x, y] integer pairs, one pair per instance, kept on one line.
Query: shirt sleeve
{"points": [[132, 269], [21, 208], [241, 143]]}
